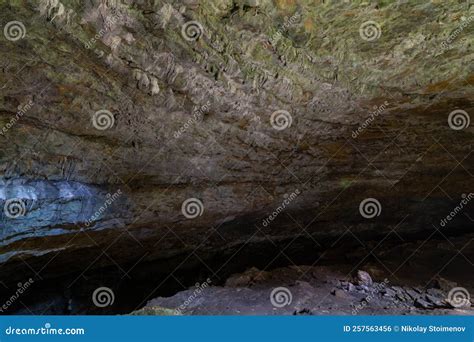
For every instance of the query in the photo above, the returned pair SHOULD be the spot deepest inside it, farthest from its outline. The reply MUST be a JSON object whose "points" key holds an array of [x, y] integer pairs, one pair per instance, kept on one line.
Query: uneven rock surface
{"points": [[115, 113], [306, 290]]}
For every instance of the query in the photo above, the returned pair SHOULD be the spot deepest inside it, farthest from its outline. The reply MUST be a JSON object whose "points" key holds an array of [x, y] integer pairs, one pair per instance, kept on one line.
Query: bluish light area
{"points": [[48, 208]]}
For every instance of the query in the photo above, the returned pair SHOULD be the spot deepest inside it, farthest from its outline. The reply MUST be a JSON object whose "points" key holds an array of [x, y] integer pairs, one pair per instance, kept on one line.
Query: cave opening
{"points": [[330, 267]]}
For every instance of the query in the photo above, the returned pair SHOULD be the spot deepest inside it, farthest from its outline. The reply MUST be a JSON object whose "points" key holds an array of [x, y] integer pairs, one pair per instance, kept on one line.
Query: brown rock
{"points": [[193, 120], [248, 278], [443, 284]]}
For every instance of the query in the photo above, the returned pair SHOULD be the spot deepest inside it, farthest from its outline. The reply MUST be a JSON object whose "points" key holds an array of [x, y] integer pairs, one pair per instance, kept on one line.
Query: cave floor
{"points": [[307, 290]]}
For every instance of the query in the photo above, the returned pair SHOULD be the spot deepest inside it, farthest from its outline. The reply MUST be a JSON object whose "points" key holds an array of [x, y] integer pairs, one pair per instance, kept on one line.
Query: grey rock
{"points": [[398, 289], [351, 287], [436, 293], [412, 293], [361, 288], [401, 297], [364, 278], [303, 312], [389, 292], [423, 304], [339, 293], [434, 300]]}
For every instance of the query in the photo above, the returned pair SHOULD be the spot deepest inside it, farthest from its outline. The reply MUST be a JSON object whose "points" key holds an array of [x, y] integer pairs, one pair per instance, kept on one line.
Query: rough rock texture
{"points": [[192, 119], [318, 291]]}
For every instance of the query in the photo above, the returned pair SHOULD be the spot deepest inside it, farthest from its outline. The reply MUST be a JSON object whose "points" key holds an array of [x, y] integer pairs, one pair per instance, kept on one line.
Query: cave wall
{"points": [[115, 113]]}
